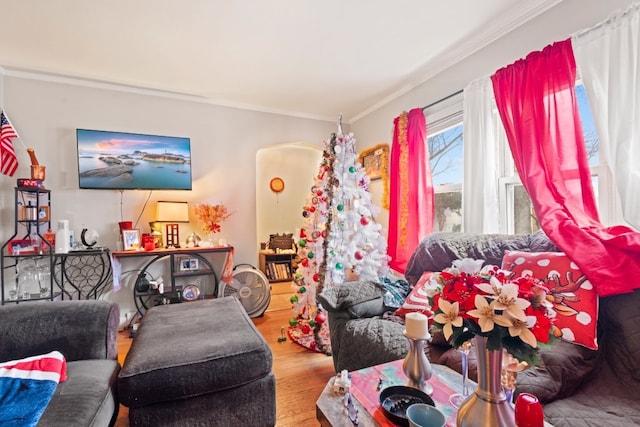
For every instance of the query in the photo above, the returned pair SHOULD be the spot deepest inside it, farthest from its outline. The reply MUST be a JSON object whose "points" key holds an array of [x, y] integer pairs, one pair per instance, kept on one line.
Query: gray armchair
{"points": [[85, 333]]}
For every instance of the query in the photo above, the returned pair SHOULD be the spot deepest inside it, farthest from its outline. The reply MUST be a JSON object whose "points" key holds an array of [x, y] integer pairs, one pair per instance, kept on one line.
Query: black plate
{"points": [[396, 399]]}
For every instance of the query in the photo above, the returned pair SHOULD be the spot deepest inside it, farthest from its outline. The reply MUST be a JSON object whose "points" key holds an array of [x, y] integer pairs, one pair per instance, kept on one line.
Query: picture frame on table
{"points": [[131, 239], [189, 264]]}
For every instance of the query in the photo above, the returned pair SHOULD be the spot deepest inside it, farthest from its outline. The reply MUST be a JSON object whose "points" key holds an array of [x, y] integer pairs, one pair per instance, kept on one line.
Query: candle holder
{"points": [[416, 365]]}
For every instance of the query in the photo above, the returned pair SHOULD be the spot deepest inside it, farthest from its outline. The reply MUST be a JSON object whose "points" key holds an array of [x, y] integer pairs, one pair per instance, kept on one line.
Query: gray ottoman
{"points": [[201, 363]]}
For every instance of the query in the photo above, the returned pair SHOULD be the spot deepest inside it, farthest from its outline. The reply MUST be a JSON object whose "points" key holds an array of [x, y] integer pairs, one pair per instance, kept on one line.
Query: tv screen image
{"points": [[121, 161]]}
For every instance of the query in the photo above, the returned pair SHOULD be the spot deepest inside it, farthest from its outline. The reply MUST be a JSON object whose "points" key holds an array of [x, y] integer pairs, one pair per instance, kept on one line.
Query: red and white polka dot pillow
{"points": [[573, 296]]}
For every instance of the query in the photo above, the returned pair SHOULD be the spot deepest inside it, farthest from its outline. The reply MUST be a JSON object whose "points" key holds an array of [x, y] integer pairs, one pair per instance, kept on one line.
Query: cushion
{"points": [[574, 298], [214, 346], [396, 292], [417, 300], [345, 295], [27, 385]]}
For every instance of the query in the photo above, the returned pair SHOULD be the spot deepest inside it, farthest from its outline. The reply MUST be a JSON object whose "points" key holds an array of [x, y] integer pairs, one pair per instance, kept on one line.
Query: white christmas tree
{"points": [[339, 241]]}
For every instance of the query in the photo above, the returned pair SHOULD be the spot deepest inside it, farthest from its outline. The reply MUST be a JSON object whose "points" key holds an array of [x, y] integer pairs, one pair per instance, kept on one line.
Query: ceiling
{"points": [[305, 58]]}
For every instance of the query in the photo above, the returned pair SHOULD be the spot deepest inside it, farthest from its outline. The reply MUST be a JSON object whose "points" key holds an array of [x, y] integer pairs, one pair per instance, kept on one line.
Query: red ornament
{"points": [[302, 233], [358, 255], [312, 345], [320, 318], [305, 262], [319, 193], [364, 220], [312, 209], [305, 329], [316, 277]]}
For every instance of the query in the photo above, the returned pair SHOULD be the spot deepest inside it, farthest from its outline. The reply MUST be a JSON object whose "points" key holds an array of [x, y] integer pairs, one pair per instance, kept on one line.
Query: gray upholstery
{"points": [[438, 250], [198, 363], [577, 386], [85, 333], [580, 387]]}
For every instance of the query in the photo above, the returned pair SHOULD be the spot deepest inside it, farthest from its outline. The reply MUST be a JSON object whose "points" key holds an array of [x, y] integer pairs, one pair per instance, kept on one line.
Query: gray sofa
{"points": [[577, 386], [362, 331], [85, 333]]}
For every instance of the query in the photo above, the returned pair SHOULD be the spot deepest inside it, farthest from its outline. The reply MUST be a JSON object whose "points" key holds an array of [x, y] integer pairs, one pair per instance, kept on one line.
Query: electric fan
{"points": [[251, 287]]}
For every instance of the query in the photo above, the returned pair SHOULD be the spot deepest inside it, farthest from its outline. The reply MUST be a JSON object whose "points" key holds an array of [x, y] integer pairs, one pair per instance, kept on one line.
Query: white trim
{"points": [[98, 84]]}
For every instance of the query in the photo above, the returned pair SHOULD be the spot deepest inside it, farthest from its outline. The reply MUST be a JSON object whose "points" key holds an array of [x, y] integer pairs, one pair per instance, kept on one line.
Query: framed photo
{"points": [[188, 264], [375, 161], [131, 239], [43, 213], [22, 247]]}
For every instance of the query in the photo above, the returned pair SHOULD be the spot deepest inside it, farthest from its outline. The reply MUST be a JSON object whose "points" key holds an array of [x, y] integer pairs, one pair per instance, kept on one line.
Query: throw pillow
{"points": [[396, 292], [27, 385], [573, 296], [417, 300]]}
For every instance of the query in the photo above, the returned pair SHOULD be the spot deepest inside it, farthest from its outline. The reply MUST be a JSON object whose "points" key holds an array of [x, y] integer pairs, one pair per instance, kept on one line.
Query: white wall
{"points": [[297, 164], [224, 144]]}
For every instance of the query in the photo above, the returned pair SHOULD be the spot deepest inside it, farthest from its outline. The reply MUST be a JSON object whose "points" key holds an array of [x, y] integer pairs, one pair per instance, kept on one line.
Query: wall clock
{"points": [[276, 184]]}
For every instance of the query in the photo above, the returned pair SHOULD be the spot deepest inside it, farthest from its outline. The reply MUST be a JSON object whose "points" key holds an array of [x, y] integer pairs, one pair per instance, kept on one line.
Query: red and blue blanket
{"points": [[26, 387]]}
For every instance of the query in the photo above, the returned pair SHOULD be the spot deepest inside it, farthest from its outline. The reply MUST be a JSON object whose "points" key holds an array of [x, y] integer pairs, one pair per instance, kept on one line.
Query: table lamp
{"points": [[172, 213]]}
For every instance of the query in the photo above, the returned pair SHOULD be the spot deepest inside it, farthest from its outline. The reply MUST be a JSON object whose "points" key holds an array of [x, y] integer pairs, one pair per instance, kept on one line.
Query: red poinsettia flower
{"points": [[512, 311]]}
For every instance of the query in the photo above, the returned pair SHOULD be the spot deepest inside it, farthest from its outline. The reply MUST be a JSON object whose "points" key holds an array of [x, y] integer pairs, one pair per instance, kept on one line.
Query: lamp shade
{"points": [[172, 212]]}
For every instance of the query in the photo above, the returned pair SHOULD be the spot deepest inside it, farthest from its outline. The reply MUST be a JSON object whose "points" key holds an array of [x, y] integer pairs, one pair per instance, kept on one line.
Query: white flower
{"points": [[468, 265], [449, 317], [521, 329], [492, 289], [509, 303], [487, 317]]}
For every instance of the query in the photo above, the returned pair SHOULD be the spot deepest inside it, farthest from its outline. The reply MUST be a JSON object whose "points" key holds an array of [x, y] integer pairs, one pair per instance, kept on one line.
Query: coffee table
{"points": [[331, 412]]}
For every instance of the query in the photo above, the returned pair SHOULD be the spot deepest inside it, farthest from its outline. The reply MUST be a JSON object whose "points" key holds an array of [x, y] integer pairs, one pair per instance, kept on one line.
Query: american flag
{"points": [[8, 159]]}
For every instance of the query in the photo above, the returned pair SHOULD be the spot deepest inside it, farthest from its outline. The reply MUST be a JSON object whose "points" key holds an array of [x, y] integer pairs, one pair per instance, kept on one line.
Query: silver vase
{"points": [[416, 366], [488, 405]]}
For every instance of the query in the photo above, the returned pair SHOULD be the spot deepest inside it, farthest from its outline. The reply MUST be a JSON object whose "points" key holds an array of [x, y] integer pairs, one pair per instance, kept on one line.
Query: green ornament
{"points": [[338, 266], [340, 208], [302, 243], [302, 289], [310, 255], [293, 299], [312, 323], [352, 169], [298, 276], [293, 321]]}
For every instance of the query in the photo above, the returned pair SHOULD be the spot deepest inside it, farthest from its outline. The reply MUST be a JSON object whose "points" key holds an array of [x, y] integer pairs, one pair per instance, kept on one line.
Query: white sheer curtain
{"points": [[480, 183], [608, 58]]}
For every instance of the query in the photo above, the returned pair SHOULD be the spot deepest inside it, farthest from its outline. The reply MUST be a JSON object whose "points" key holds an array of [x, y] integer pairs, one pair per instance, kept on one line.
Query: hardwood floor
{"points": [[301, 375]]}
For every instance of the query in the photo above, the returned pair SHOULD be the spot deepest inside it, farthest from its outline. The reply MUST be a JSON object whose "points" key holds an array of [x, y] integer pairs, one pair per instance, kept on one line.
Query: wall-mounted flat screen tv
{"points": [[127, 161]]}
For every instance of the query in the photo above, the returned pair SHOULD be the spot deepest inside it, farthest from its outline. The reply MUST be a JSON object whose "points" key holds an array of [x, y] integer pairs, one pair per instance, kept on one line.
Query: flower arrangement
{"points": [[211, 216], [469, 301]]}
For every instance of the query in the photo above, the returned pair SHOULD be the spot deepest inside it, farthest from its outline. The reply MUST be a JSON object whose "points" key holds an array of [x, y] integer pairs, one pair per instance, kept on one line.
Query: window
{"points": [[444, 141], [445, 145], [517, 211]]}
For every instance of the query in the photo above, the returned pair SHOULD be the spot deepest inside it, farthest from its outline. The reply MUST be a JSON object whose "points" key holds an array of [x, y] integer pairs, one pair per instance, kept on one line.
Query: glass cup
{"points": [[13, 293], [44, 281], [456, 399]]}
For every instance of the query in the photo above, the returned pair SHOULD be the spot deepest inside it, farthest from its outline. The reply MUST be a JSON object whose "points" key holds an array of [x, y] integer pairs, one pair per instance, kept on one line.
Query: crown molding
{"points": [[104, 85]]}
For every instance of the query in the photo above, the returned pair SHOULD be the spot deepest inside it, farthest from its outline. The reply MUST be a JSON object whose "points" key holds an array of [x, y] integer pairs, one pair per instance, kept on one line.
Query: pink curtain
{"points": [[411, 198], [536, 100]]}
